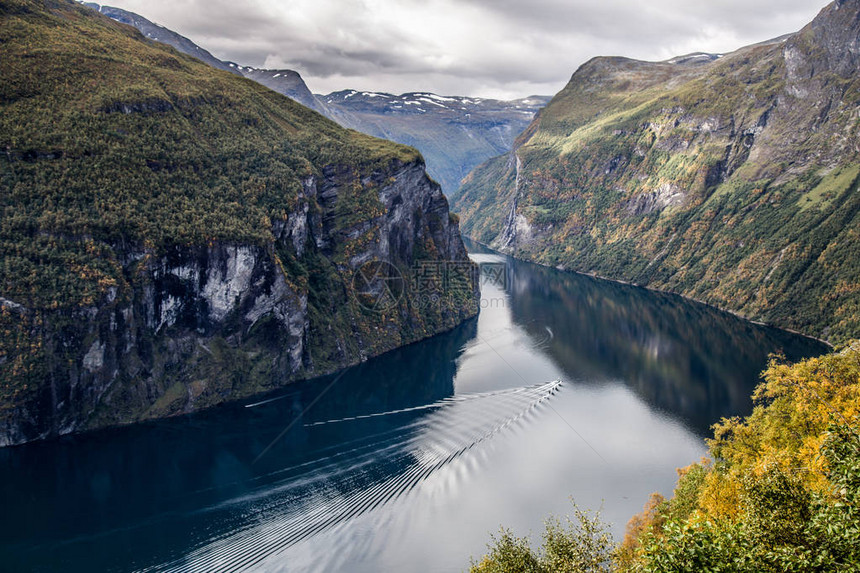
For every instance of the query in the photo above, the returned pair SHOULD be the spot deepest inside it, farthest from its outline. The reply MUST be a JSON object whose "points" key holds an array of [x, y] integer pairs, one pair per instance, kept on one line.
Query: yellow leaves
{"points": [[817, 388], [106, 282], [721, 496], [795, 405], [650, 519]]}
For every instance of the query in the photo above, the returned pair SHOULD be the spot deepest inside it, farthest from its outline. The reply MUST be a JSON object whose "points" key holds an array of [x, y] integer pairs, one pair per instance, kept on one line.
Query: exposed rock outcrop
{"points": [[197, 326]]}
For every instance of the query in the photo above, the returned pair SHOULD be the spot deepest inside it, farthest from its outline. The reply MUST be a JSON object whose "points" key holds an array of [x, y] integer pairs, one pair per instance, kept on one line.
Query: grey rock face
{"points": [[286, 82], [199, 325], [667, 195]]}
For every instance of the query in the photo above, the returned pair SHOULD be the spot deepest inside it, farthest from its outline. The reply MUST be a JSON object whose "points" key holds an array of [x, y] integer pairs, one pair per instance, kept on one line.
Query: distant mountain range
{"points": [[453, 133], [731, 179]]}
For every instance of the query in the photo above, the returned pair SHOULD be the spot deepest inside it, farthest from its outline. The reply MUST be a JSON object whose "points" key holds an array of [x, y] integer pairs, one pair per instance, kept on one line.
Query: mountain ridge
{"points": [[733, 181], [454, 133], [452, 146]]}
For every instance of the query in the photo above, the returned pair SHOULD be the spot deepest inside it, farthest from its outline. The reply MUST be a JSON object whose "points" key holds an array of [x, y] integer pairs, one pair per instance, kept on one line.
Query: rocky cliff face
{"points": [[148, 271], [730, 179], [199, 325]]}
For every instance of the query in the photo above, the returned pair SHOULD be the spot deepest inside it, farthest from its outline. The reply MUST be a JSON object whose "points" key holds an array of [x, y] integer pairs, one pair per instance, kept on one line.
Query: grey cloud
{"points": [[500, 45], [650, 19], [326, 61]]}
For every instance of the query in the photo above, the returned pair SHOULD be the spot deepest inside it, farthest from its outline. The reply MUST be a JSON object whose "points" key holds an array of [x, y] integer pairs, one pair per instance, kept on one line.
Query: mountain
{"points": [[161, 34], [730, 179], [286, 82], [175, 236], [454, 133]]}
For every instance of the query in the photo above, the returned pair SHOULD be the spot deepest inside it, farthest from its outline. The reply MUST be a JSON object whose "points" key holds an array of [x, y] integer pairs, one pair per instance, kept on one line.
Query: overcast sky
{"points": [[489, 48]]}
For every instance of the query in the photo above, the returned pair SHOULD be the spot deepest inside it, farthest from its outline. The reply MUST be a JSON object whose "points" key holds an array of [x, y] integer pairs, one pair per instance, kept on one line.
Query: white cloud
{"points": [[495, 48]]}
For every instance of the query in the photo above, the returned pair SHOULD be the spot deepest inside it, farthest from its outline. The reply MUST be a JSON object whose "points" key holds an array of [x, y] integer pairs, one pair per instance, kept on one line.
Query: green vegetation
{"points": [[107, 137], [782, 494], [581, 544], [713, 180], [829, 188], [121, 158]]}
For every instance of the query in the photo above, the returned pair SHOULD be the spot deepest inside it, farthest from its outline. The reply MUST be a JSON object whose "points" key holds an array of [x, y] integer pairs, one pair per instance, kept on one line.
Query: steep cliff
{"points": [[174, 236], [730, 179]]}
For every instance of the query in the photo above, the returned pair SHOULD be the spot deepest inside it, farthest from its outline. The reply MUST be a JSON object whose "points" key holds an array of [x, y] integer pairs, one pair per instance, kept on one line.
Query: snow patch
{"points": [[428, 100], [440, 98]]}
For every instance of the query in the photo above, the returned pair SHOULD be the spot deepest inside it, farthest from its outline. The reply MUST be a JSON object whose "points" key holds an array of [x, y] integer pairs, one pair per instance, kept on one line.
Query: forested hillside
{"points": [[729, 179], [173, 236]]}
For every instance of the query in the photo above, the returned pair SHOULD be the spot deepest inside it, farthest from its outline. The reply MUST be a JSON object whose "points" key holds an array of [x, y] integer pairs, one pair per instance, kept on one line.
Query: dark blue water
{"points": [[564, 387]]}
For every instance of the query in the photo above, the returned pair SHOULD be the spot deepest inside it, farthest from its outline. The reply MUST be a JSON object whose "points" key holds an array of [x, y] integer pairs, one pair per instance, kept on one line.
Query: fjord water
{"points": [[565, 387]]}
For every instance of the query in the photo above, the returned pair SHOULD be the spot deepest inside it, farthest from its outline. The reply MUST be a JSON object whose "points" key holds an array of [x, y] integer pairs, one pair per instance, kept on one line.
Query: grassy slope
{"points": [[766, 211]]}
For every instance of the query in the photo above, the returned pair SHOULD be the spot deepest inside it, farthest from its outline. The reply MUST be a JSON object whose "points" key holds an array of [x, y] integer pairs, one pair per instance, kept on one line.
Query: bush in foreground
{"points": [[782, 493], [580, 544]]}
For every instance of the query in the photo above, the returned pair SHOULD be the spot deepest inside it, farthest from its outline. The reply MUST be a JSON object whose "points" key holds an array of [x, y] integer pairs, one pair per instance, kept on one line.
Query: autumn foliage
{"points": [[782, 493]]}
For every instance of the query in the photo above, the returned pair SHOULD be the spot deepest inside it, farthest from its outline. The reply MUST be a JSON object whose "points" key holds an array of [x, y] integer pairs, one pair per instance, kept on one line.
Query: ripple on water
{"points": [[329, 492]]}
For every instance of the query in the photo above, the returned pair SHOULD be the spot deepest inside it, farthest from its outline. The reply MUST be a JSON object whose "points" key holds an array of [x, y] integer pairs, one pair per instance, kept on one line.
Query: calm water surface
{"points": [[566, 387]]}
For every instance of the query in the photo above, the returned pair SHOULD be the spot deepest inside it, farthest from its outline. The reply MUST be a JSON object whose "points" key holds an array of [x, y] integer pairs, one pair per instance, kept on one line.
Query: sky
{"points": [[485, 48]]}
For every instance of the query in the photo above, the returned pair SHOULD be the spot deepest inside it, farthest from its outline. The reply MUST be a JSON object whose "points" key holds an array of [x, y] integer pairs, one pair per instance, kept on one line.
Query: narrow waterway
{"points": [[565, 387]]}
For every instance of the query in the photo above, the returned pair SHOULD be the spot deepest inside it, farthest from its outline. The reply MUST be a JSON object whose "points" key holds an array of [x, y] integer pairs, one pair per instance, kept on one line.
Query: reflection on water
{"points": [[687, 359], [320, 496], [130, 497], [407, 461]]}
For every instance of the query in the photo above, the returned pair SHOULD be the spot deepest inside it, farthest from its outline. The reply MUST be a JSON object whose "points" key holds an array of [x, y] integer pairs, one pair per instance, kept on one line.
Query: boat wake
{"points": [[299, 502]]}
